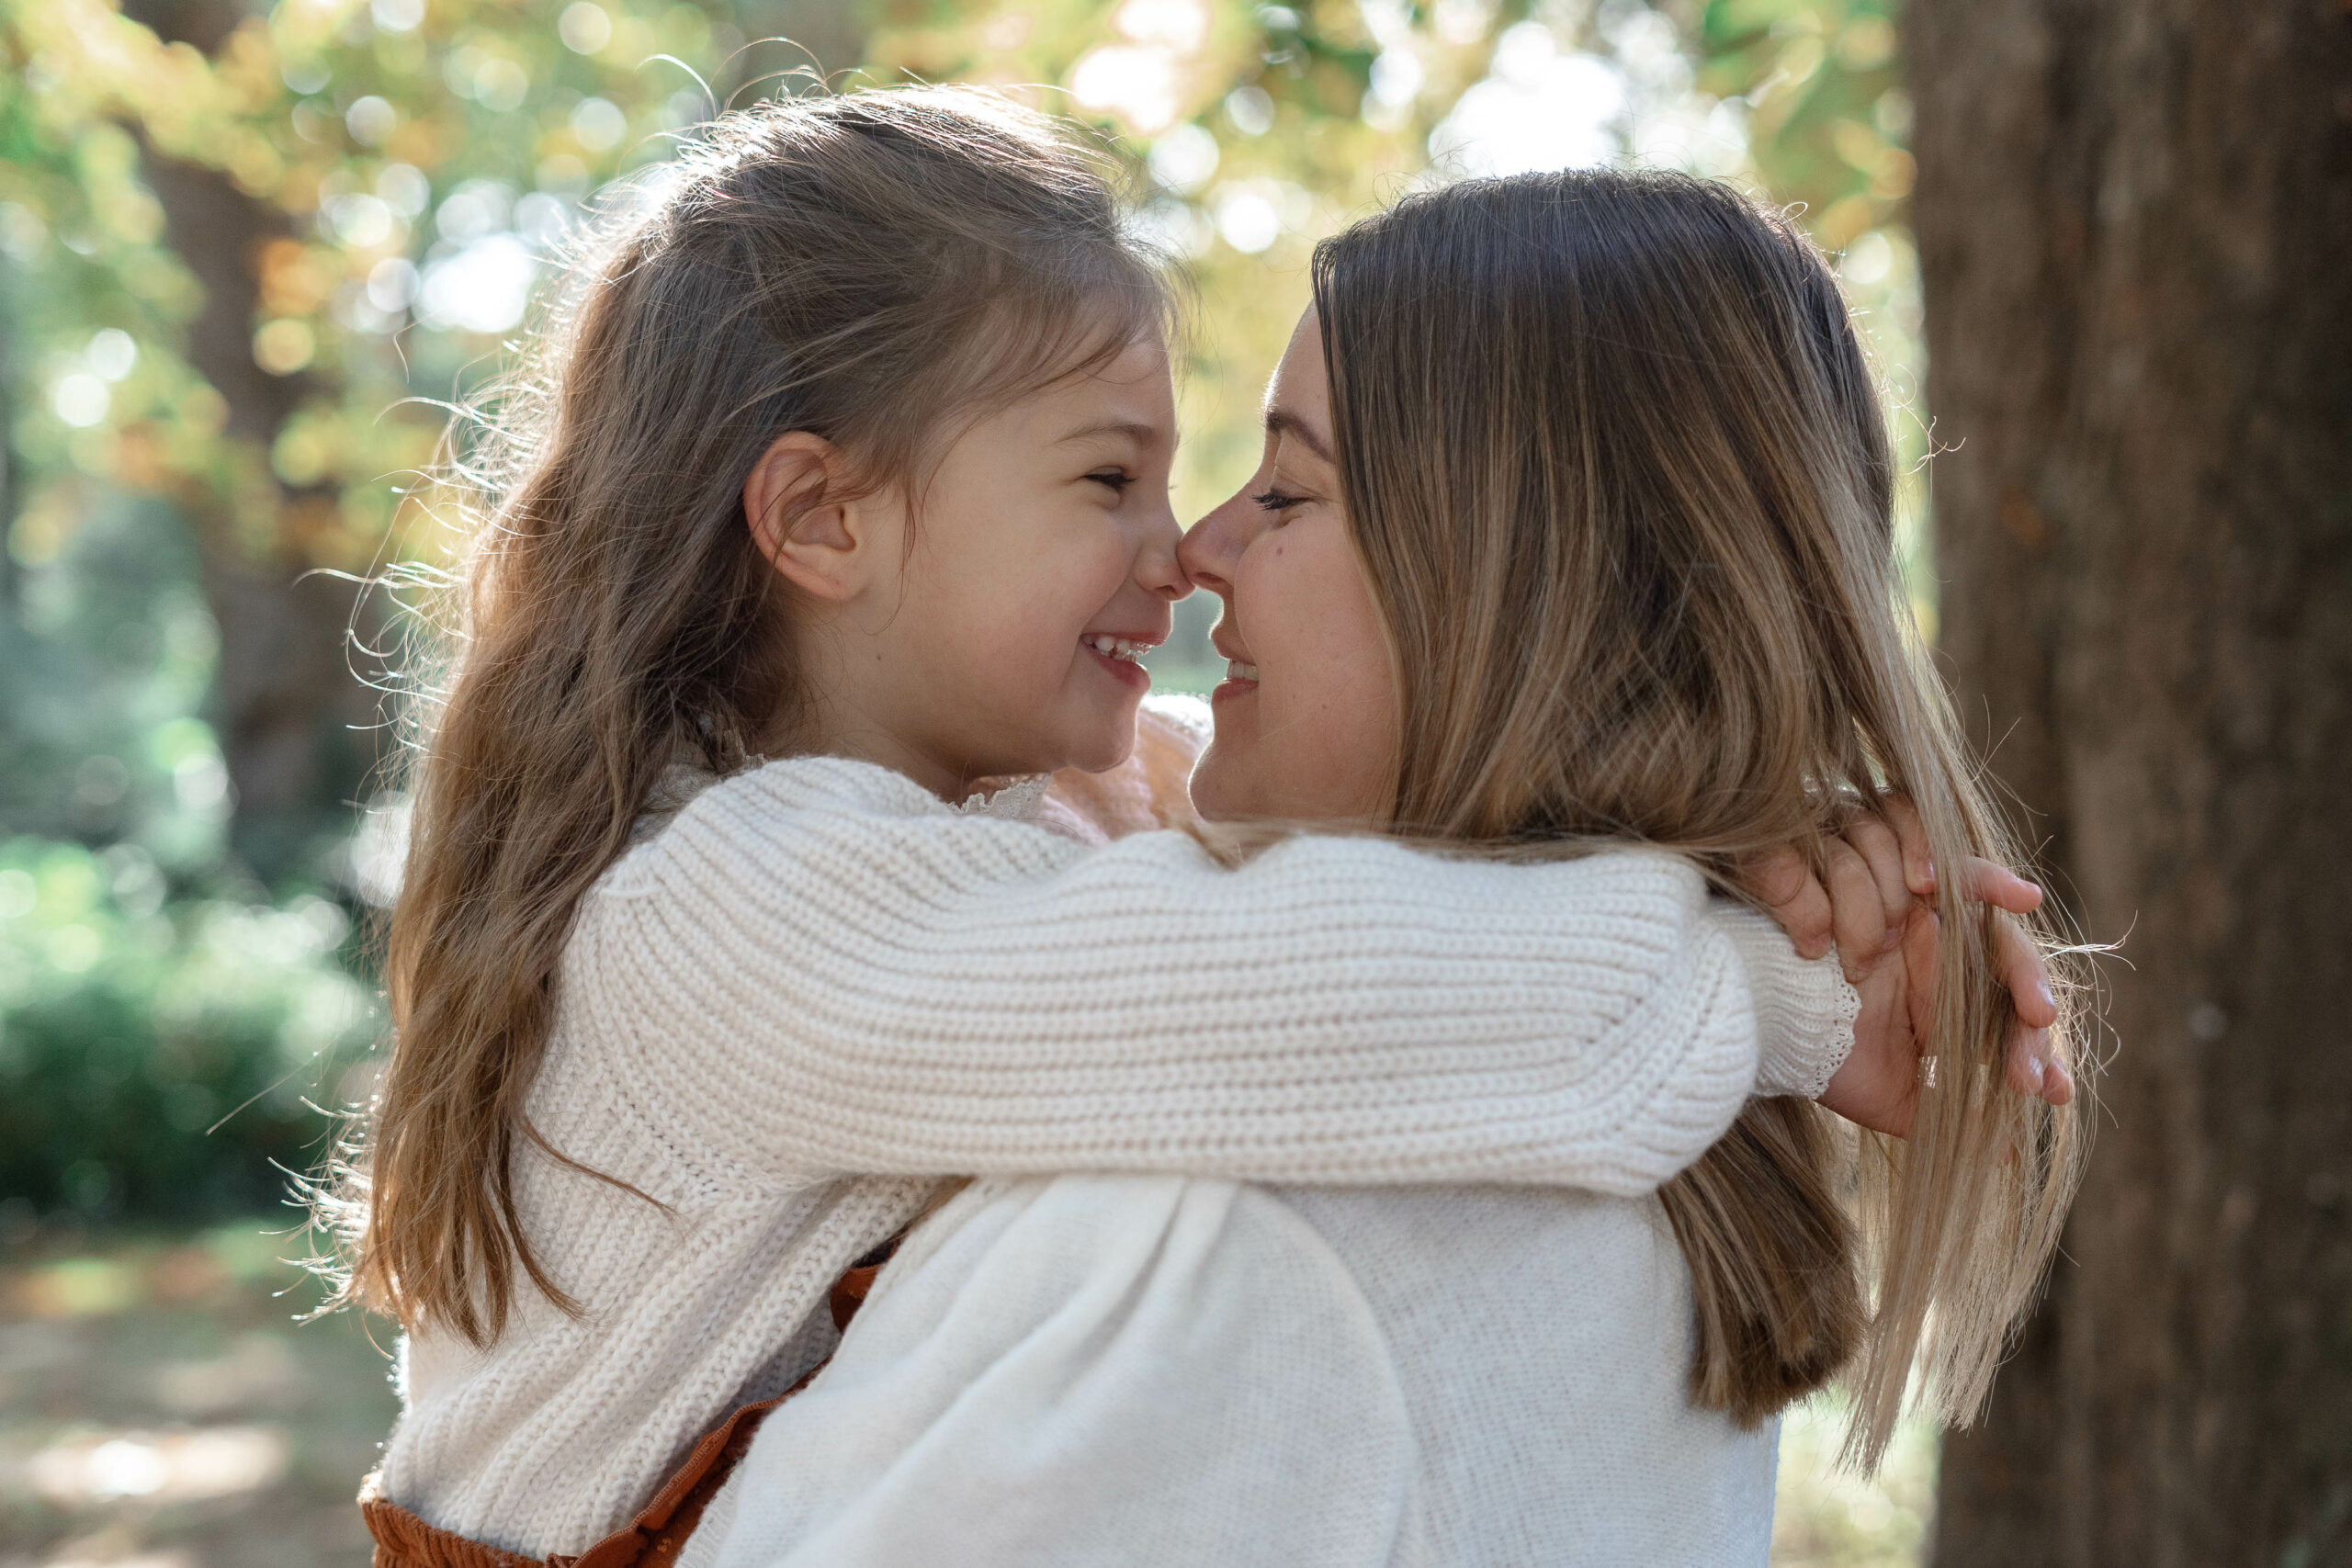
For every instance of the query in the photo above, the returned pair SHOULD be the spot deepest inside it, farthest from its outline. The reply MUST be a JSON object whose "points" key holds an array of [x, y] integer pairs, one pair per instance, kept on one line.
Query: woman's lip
{"points": [[1230, 687], [1127, 669]]}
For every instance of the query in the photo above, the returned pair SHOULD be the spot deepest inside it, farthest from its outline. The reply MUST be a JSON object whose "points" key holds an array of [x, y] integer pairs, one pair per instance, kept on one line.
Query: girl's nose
{"points": [[1158, 569]]}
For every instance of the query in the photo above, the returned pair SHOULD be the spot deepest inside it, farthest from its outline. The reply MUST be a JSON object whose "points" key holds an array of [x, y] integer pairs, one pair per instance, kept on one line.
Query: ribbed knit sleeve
{"points": [[1804, 1011], [819, 969]]}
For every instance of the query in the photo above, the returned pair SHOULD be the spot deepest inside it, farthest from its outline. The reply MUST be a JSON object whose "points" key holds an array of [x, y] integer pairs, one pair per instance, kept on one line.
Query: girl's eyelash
{"points": [[1275, 500], [1118, 479]]}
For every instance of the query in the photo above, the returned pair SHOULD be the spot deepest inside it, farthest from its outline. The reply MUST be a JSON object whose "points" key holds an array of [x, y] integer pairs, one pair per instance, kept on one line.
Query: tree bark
{"points": [[296, 727], [2134, 221]]}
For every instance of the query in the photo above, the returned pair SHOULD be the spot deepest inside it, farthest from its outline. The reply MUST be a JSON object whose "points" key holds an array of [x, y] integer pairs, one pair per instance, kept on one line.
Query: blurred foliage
{"points": [[1827, 118], [128, 1030], [147, 991], [109, 654], [418, 159], [1825, 1517], [250, 251]]}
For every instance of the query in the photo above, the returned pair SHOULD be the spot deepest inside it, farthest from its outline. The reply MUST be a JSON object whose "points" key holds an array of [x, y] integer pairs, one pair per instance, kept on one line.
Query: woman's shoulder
{"points": [[1145, 1282], [1231, 1250], [1207, 1376]]}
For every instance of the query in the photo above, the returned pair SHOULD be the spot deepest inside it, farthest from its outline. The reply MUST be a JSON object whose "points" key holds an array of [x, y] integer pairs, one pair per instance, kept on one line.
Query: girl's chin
{"points": [[1103, 747]]}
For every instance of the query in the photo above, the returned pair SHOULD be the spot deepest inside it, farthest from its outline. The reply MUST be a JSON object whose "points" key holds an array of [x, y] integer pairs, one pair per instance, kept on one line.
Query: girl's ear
{"points": [[808, 538]]}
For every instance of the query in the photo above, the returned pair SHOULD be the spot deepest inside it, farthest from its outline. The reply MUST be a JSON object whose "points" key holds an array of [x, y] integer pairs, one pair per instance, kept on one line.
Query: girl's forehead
{"points": [[1132, 392]]}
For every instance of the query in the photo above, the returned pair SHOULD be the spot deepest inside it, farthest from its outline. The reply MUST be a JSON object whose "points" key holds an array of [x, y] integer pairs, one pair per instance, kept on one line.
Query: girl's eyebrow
{"points": [[1283, 422], [1135, 430]]}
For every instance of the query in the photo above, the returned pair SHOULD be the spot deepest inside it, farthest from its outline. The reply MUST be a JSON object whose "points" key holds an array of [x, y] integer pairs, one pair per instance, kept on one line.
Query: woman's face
{"points": [[1307, 721]]}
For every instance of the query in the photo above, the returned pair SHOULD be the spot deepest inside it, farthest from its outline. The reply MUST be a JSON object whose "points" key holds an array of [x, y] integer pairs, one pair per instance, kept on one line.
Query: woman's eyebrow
{"points": [[1282, 422]]}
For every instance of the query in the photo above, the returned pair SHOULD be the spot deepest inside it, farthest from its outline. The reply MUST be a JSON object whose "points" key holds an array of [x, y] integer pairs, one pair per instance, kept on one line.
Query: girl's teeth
{"points": [[1115, 647], [1237, 670]]}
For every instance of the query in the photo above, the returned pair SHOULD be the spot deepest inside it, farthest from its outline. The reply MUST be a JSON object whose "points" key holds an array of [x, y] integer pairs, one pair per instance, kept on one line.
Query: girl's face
{"points": [[993, 630], [1307, 723]]}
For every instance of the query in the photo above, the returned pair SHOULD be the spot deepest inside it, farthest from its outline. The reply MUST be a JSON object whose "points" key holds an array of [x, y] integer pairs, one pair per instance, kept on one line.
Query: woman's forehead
{"points": [[1298, 400]]}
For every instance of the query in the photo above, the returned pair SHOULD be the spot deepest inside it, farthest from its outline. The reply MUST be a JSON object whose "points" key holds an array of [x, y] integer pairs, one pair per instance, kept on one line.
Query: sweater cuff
{"points": [[1804, 1009]]}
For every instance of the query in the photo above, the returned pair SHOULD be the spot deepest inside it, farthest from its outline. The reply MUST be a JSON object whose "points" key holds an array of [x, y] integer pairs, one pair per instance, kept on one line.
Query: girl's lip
{"points": [[1127, 669]]}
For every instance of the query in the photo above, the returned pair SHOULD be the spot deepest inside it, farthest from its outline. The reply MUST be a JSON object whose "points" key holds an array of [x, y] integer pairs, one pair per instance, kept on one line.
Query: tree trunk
{"points": [[2134, 221], [297, 728]]}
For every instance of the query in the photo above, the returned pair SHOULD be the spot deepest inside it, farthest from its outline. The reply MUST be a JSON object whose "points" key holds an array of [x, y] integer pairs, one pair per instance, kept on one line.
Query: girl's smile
{"points": [[1121, 655]]}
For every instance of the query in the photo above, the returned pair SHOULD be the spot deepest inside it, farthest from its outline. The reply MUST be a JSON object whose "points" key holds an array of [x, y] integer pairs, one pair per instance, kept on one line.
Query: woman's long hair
{"points": [[870, 267], [1620, 482]]}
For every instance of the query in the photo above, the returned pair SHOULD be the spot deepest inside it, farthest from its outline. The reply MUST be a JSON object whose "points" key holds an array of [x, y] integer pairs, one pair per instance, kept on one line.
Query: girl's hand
{"points": [[1876, 910]]}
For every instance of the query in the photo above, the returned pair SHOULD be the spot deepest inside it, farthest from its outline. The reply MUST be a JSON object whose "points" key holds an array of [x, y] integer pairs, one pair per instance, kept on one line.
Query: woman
{"points": [[1573, 526]]}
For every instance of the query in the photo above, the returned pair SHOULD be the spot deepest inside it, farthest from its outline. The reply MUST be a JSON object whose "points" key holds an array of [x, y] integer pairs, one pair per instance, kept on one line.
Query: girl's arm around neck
{"points": [[817, 969]]}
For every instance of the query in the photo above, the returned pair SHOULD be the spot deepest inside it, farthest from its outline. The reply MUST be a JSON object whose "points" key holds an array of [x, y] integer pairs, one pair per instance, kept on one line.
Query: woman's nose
{"points": [[1213, 544]]}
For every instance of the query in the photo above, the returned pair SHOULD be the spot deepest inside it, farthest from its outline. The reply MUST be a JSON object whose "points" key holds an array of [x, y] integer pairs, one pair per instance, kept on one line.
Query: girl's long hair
{"points": [[1620, 482], [870, 267]]}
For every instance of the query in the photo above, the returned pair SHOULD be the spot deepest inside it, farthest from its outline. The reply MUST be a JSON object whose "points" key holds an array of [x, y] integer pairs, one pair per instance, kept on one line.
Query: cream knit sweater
{"points": [[1153, 1371], [816, 973]]}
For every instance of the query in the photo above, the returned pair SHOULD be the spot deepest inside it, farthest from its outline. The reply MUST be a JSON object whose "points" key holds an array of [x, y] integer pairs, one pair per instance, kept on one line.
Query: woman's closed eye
{"points": [[1274, 500]]}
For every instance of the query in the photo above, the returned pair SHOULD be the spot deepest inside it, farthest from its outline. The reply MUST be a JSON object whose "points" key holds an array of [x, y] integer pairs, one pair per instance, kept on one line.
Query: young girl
{"points": [[853, 450], [1573, 523]]}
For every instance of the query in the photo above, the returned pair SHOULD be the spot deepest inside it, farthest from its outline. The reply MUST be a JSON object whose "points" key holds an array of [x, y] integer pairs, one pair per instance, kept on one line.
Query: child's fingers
{"points": [[1922, 938], [2020, 965], [1918, 863], [1875, 842], [1855, 910], [2000, 886], [2033, 1070], [2028, 1049], [1785, 885], [2057, 1083]]}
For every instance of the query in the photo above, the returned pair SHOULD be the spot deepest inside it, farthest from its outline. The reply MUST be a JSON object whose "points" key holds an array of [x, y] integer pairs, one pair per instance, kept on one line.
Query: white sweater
{"points": [[1162, 1372], [818, 974]]}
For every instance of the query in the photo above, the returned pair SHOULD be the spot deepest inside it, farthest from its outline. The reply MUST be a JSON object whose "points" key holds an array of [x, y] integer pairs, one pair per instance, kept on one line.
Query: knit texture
{"points": [[817, 990], [1162, 1373]]}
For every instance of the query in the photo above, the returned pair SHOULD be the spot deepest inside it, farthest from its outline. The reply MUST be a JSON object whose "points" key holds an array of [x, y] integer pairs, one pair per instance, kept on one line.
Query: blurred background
{"points": [[249, 253]]}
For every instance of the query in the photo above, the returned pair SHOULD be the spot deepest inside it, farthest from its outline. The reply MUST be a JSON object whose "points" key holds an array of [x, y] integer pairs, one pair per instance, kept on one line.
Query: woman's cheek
{"points": [[1347, 737], [1328, 722]]}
